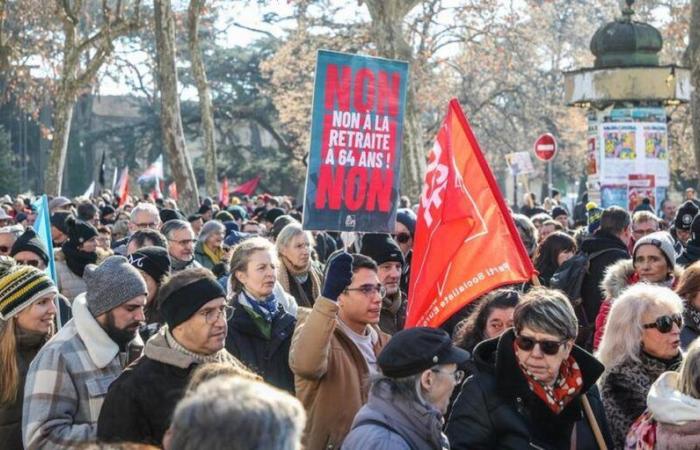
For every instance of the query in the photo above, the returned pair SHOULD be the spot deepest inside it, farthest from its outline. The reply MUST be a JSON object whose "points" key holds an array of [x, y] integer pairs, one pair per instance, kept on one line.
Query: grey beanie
{"points": [[663, 241], [111, 284]]}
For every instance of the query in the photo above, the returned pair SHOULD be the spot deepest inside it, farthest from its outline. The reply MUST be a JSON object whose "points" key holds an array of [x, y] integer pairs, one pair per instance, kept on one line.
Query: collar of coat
{"points": [[158, 349], [619, 276], [101, 348]]}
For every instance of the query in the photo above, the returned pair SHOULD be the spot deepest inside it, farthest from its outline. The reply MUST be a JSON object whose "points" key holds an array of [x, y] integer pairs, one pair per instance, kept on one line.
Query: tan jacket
{"points": [[330, 374]]}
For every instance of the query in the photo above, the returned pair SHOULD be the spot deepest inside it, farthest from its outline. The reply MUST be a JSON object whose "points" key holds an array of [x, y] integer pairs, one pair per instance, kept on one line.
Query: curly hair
{"points": [[472, 330]]}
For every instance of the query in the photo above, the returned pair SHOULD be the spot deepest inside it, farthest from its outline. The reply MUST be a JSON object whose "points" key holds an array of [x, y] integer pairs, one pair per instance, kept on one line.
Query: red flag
{"points": [[123, 186], [172, 190], [223, 193], [466, 243], [247, 188]]}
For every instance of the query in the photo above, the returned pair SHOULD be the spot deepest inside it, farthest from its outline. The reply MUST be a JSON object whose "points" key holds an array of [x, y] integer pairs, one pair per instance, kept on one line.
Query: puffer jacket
{"points": [[496, 409], [624, 390]]}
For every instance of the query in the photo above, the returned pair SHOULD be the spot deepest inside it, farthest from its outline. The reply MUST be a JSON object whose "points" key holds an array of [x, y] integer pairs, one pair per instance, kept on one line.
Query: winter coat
{"points": [[619, 277], [201, 257], [591, 291], [677, 415], [690, 254], [28, 344], [624, 390], [140, 403], [497, 410], [68, 380], [393, 314], [296, 290], [69, 284], [331, 374], [268, 357], [390, 422]]}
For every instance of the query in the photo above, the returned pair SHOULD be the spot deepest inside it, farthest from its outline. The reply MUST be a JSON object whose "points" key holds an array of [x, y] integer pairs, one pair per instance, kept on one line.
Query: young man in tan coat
{"points": [[335, 347]]}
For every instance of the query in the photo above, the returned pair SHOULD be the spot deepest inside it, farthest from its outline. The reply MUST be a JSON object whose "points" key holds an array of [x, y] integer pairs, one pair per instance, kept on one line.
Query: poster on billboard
{"points": [[352, 182], [639, 187]]}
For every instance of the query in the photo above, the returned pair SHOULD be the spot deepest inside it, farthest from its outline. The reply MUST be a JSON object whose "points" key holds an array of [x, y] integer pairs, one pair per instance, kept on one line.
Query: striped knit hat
{"points": [[20, 286]]}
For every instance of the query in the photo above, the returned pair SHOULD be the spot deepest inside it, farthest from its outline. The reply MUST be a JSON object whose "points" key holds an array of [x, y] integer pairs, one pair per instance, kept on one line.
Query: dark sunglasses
{"points": [[402, 238], [665, 323], [548, 347], [4, 249]]}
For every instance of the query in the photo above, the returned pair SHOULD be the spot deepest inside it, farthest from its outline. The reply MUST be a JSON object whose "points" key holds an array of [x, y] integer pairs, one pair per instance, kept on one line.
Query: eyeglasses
{"points": [[369, 290], [665, 323], [402, 238], [548, 347], [214, 314], [28, 262], [183, 242], [458, 375]]}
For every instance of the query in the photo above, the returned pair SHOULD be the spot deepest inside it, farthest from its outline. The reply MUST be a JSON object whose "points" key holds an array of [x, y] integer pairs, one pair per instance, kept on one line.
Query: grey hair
{"points": [[405, 388], [689, 381], [174, 225], [622, 340], [144, 207], [288, 233], [527, 232], [212, 226], [237, 414], [547, 311]]}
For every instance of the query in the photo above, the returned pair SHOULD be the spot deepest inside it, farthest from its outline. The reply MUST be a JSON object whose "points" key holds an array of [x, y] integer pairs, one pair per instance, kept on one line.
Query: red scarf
{"points": [[566, 388]]}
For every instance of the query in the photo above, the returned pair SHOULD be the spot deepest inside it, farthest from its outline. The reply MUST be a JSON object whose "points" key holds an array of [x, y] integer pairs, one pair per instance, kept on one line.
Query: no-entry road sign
{"points": [[545, 147]]}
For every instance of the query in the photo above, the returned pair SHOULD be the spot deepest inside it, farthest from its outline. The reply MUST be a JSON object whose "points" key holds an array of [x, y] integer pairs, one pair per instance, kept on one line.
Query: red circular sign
{"points": [[545, 147]]}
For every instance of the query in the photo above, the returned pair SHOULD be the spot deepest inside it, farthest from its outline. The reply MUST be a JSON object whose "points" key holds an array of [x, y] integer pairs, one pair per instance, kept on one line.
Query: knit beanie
{"points": [[182, 304], [58, 220], [685, 215], [238, 212], [223, 216], [593, 213], [663, 241], [273, 214], [79, 231], [155, 261], [20, 286], [111, 284], [170, 214], [407, 218], [559, 211], [29, 241], [381, 248]]}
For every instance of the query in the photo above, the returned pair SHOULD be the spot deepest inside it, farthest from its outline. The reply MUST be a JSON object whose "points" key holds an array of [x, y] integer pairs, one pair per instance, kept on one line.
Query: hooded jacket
{"points": [[677, 415], [497, 410], [392, 423]]}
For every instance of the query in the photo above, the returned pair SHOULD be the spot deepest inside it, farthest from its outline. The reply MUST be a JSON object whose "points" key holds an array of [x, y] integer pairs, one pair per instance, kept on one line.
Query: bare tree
{"points": [[76, 73], [170, 115], [205, 105], [693, 59]]}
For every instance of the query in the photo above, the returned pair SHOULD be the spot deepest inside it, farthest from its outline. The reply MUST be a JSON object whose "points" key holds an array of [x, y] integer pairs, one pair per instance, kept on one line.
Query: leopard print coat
{"points": [[624, 390]]}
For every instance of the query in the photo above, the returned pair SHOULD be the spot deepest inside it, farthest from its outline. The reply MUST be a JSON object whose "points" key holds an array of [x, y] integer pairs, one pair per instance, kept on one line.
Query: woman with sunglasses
{"points": [[653, 262], [27, 313], [260, 329], [689, 290], [642, 341], [528, 385]]}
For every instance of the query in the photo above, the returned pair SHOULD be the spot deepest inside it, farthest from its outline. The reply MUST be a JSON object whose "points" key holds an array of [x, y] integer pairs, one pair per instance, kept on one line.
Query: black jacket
{"points": [[690, 254], [269, 358], [591, 294], [497, 410]]}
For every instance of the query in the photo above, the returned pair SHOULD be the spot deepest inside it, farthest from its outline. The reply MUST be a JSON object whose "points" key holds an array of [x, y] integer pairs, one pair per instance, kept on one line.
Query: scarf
{"points": [[76, 260], [284, 278], [569, 383], [215, 255], [219, 356], [177, 265], [691, 317], [267, 308]]}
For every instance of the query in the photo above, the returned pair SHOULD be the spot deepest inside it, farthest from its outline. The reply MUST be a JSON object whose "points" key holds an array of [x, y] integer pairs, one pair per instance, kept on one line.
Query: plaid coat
{"points": [[67, 382]]}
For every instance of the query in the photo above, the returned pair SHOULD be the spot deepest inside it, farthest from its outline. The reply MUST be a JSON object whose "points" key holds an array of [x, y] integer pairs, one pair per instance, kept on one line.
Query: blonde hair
{"points": [[689, 381], [9, 372], [241, 257], [206, 372], [623, 330]]}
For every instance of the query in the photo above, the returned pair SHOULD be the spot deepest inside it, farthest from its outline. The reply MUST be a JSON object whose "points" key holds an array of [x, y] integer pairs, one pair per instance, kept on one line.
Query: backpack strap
{"points": [[600, 252]]}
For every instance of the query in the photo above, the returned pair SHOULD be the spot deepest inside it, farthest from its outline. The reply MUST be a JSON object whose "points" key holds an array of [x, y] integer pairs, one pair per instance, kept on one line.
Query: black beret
{"points": [[410, 352]]}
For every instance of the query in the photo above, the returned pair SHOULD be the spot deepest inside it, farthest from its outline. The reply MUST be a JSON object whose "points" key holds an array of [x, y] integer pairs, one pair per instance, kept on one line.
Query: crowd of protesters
{"points": [[234, 328]]}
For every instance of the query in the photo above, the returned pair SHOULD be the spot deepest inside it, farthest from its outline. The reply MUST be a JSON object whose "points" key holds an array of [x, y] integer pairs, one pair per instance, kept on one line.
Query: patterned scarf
{"points": [[568, 385], [267, 308], [691, 317]]}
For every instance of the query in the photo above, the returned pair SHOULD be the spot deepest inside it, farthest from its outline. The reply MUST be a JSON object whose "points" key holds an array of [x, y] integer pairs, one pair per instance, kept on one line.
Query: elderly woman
{"points": [[642, 341], [296, 273], [209, 250], [27, 313], [689, 290], [260, 329], [653, 261], [406, 403], [531, 385]]}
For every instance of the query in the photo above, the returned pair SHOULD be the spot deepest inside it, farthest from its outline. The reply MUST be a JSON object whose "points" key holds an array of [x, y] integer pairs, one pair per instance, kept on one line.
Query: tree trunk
{"points": [[61, 119], [693, 56], [205, 105], [387, 19], [170, 118]]}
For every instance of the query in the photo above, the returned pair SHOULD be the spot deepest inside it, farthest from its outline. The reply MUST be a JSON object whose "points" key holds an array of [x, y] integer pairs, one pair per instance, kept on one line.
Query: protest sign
{"points": [[466, 243], [352, 183]]}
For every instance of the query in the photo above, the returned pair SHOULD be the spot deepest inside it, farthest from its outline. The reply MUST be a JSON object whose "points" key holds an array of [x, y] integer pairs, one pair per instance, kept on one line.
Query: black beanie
{"points": [[170, 214], [58, 220], [685, 215], [182, 304], [29, 241], [559, 211], [153, 260], [79, 231], [381, 248], [273, 214]]}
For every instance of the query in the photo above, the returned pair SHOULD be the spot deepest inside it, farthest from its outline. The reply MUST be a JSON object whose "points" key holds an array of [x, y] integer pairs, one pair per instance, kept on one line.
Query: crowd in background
{"points": [[233, 327]]}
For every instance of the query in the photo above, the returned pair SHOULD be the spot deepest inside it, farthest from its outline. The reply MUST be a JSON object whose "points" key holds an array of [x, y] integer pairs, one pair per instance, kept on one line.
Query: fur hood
{"points": [[668, 405], [618, 277]]}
